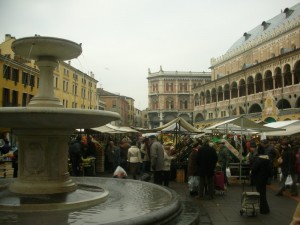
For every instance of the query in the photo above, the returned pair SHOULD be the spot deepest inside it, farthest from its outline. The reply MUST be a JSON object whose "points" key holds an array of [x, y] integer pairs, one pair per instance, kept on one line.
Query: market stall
{"points": [[179, 132], [241, 126]]}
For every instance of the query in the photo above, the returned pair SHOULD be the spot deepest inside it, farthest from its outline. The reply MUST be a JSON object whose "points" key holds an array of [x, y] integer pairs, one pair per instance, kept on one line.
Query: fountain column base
{"points": [[43, 162]]}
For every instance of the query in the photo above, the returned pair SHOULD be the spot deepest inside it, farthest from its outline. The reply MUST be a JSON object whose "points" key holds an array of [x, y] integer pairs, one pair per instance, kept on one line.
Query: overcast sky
{"points": [[121, 39]]}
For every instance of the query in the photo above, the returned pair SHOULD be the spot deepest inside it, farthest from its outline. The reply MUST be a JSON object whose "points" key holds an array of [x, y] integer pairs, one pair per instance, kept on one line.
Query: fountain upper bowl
{"points": [[38, 46]]}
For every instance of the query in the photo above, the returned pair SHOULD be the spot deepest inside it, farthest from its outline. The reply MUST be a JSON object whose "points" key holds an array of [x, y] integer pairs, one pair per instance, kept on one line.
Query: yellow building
{"points": [[19, 80]]}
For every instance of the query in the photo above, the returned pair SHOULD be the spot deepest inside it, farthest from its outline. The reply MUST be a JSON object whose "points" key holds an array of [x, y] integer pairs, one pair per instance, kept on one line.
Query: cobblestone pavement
{"points": [[225, 210]]}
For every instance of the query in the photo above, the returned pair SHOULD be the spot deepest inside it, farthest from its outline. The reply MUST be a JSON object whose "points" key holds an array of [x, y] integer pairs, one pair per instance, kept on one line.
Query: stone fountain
{"points": [[44, 185]]}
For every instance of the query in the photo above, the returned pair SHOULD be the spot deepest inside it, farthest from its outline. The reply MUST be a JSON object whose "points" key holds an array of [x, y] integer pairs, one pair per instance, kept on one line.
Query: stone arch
{"points": [[297, 104], [220, 93], [287, 75], [242, 88], [169, 118], [213, 95], [258, 83], [268, 80], [207, 96], [199, 117], [196, 99], [202, 102], [255, 108], [270, 120], [297, 73], [155, 121], [185, 117], [283, 104], [226, 92], [234, 90], [278, 77], [250, 85], [242, 111], [234, 111]]}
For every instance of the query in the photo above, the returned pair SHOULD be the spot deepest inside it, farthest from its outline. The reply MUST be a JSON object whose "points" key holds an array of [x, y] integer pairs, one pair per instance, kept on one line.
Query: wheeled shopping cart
{"points": [[250, 202]]}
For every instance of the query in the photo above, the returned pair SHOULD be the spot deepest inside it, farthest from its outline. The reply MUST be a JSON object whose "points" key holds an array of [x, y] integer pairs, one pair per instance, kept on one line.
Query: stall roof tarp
{"points": [[111, 129], [242, 123], [291, 127], [178, 125]]}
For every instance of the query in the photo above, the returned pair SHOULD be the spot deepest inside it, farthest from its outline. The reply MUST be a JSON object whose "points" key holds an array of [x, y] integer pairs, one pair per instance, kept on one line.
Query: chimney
{"points": [[7, 37]]}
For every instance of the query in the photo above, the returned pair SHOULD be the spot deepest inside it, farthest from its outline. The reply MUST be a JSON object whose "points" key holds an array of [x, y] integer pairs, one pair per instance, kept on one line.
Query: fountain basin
{"points": [[129, 202], [38, 46], [52, 117]]}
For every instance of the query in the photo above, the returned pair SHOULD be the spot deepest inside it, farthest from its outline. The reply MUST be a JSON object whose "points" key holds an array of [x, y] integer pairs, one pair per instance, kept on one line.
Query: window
{"points": [[65, 86], [56, 82], [66, 72], [15, 75], [6, 72], [25, 78], [5, 97], [74, 89], [32, 79], [83, 92], [24, 99], [75, 76], [114, 104], [14, 98]]}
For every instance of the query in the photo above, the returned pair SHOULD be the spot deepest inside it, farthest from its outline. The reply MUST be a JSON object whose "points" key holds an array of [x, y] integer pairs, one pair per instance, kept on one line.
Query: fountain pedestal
{"points": [[45, 96], [42, 165]]}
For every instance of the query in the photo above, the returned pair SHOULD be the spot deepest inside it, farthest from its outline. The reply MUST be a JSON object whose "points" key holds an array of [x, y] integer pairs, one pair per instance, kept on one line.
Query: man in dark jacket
{"points": [[288, 167], [206, 160], [75, 154], [260, 173]]}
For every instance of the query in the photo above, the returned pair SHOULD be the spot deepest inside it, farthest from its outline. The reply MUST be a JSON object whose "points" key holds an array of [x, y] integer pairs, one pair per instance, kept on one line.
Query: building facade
{"points": [[115, 103], [19, 81], [170, 95], [137, 121], [131, 111], [259, 76]]}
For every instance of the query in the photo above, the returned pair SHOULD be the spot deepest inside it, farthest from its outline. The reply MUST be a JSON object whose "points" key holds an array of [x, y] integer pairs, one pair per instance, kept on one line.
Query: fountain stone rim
{"points": [[36, 47]]}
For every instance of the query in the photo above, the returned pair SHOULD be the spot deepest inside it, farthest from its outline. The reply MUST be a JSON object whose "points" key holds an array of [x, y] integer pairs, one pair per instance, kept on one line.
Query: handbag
{"points": [[289, 180], [228, 172]]}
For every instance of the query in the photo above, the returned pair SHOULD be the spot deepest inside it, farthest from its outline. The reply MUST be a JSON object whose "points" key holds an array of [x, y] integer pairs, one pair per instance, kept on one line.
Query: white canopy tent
{"points": [[178, 125], [241, 125], [291, 127], [111, 129]]}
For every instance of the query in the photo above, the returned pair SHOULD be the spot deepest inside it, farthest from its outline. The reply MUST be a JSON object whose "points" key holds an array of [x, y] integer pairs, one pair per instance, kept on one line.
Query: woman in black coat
{"points": [[260, 173], [207, 159]]}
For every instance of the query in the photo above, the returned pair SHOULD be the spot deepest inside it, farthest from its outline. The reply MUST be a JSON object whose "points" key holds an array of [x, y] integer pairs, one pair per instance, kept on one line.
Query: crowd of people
{"points": [[142, 157], [269, 161]]}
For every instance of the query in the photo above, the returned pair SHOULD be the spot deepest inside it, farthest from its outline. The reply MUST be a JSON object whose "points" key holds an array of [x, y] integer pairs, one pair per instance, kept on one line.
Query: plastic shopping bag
{"points": [[120, 173], [289, 180], [193, 183], [228, 172]]}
